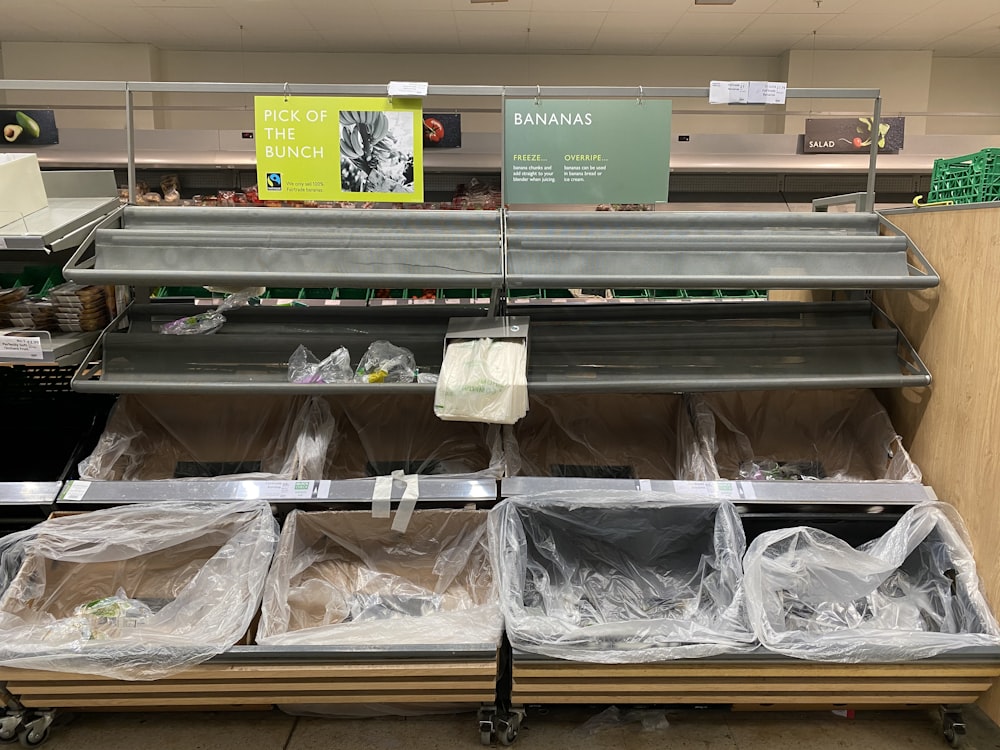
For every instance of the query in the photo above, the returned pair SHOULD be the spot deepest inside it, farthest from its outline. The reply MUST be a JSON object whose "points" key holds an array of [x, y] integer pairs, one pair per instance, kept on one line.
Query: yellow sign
{"points": [[323, 148]]}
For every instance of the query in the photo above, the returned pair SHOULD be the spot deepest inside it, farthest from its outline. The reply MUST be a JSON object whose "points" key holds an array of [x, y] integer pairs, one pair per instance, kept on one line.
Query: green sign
{"points": [[339, 149], [582, 151]]}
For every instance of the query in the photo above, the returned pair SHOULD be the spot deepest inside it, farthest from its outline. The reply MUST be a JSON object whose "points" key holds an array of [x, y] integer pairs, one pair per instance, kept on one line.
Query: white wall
{"points": [[903, 77], [80, 62], [965, 85], [514, 70]]}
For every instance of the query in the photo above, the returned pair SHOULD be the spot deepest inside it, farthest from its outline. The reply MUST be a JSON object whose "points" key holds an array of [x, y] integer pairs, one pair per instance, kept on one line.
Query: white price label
{"points": [[21, 347], [645, 485], [76, 490], [728, 490], [408, 88], [288, 489]]}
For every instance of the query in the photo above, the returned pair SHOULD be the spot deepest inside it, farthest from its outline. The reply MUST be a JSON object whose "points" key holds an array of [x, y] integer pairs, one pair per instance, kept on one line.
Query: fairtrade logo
{"points": [[274, 180]]}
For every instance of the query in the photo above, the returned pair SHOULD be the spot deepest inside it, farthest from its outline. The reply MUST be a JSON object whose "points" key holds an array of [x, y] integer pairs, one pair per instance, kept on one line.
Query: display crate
{"points": [[973, 178]]}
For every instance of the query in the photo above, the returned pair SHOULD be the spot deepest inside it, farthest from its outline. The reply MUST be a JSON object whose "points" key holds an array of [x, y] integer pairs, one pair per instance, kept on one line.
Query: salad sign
{"points": [[339, 149], [852, 135], [585, 151]]}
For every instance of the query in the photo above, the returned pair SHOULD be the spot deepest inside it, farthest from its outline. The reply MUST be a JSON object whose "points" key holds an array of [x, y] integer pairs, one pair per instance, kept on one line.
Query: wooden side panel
{"points": [[952, 429]]}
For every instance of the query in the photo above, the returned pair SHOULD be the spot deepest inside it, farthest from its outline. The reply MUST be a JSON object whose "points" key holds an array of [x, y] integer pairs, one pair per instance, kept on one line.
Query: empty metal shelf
{"points": [[711, 250], [295, 247], [701, 347], [250, 353]]}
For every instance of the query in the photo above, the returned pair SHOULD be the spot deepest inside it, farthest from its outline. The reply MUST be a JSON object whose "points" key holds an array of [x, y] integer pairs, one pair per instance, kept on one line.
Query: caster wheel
{"points": [[953, 738], [9, 727], [33, 737], [509, 729], [485, 738]]}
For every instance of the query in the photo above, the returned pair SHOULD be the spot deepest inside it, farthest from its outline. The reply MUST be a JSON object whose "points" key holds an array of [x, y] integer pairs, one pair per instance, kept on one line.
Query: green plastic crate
{"points": [[182, 291], [703, 293], [459, 293], [39, 279], [737, 293], [667, 293], [353, 294], [630, 293], [557, 294], [973, 178], [282, 292], [525, 294], [317, 293]]}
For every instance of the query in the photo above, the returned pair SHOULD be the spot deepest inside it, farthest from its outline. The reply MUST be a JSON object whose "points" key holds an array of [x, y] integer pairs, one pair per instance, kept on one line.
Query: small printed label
{"points": [[21, 347], [76, 490], [286, 489], [408, 88], [728, 490]]}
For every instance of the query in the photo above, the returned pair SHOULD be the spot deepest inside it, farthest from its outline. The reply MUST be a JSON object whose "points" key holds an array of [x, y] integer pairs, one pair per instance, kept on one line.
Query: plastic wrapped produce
{"points": [[137, 592], [376, 440], [834, 435], [631, 436], [304, 367], [386, 363], [211, 321], [910, 594], [346, 578], [620, 577], [196, 436]]}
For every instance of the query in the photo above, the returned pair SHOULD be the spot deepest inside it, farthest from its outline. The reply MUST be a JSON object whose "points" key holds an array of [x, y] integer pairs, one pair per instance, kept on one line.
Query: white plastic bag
{"points": [[910, 594], [136, 592], [483, 380]]}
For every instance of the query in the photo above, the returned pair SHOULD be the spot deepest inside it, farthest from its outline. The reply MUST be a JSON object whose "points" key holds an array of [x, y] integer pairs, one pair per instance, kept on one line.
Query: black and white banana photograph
{"points": [[376, 151]]}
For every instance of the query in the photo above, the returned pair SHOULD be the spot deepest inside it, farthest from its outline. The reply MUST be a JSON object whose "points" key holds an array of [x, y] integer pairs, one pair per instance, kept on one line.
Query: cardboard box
{"points": [[345, 577], [613, 436], [21, 189]]}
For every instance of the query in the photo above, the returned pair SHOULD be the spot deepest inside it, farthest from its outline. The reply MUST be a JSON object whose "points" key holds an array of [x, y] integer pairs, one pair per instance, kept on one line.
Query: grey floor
{"points": [[558, 728]]}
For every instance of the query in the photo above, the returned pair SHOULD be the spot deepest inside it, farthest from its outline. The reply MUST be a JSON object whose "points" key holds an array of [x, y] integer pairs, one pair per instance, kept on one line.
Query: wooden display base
{"points": [[745, 684], [241, 685]]}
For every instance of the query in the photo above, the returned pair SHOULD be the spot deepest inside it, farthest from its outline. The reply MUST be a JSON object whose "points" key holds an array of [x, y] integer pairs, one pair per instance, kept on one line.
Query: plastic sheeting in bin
{"points": [[346, 578], [609, 436], [136, 592], [834, 435], [379, 436], [617, 577], [910, 594], [197, 436]]}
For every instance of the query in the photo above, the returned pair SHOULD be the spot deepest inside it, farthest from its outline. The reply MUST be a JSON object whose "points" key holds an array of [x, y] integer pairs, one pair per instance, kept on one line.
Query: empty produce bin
{"points": [[136, 592], [837, 435], [616, 577], [630, 436], [909, 594], [380, 434], [345, 578], [198, 436]]}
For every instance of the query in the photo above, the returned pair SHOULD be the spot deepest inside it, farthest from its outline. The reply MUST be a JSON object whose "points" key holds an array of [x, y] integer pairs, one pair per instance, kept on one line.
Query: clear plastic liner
{"points": [[136, 592], [378, 438], [196, 436], [910, 594], [346, 578], [304, 367], [620, 577], [631, 436], [385, 362], [834, 435]]}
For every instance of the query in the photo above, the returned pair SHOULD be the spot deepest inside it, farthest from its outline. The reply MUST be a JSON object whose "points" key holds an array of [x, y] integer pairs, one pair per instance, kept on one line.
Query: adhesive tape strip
{"points": [[407, 504]]}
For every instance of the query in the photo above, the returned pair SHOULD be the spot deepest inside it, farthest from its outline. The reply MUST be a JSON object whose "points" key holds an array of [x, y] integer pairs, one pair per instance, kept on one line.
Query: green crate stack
{"points": [[39, 279], [667, 293], [738, 293], [348, 293], [974, 178], [525, 294], [557, 294], [703, 293], [631, 293]]}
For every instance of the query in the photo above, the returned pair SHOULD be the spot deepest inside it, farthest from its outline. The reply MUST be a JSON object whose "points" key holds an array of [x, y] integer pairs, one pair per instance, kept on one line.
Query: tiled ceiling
{"points": [[954, 28]]}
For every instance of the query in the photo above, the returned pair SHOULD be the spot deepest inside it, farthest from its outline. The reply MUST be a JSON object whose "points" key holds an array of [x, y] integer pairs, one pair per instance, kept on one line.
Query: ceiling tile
{"points": [[468, 20], [809, 6], [553, 22], [827, 41], [487, 44], [801, 23], [641, 23], [760, 44], [711, 24], [863, 25], [509, 5], [626, 43], [692, 44]]}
